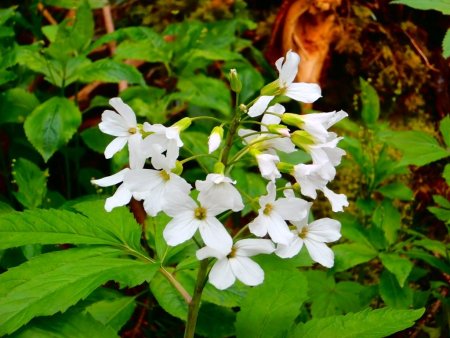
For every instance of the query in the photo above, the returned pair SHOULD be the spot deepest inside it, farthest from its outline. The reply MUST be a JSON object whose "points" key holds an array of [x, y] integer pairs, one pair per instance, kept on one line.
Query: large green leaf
{"points": [[368, 324], [370, 103], [16, 104], [52, 282], [151, 49], [399, 266], [107, 70], [51, 125], [73, 324], [444, 127], [215, 321], [348, 255], [397, 190], [31, 182], [90, 225], [392, 293], [271, 308], [387, 218], [438, 5]]}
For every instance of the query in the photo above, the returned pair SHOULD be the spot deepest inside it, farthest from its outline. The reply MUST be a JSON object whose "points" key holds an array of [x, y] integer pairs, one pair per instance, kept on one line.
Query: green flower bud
{"points": [[219, 168], [178, 170], [285, 167], [271, 89], [183, 124], [292, 119], [235, 81], [302, 139]]}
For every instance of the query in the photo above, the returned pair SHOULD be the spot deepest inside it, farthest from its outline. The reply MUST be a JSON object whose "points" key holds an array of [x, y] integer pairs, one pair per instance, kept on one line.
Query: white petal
{"points": [[271, 195], [290, 250], [111, 180], [260, 106], [142, 180], [207, 252], [279, 63], [219, 197], [304, 92], [269, 119], [320, 253], [180, 229], [213, 142], [292, 209], [121, 197], [182, 204], [289, 69], [324, 230], [252, 246], [258, 226], [247, 271], [221, 275], [338, 201], [278, 229], [277, 109], [114, 146], [113, 124], [124, 110], [283, 144], [136, 152], [214, 234], [267, 166]]}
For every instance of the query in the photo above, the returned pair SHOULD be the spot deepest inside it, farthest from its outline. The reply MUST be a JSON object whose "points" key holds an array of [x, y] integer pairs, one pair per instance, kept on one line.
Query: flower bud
{"points": [[292, 119], [279, 130], [215, 138], [302, 139], [235, 81], [219, 168], [285, 167], [271, 89], [183, 124], [178, 169]]}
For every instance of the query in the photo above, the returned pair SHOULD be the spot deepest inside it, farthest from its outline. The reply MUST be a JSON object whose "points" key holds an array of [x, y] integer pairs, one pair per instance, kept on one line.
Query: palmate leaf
{"points": [[54, 281], [368, 324], [91, 225]]}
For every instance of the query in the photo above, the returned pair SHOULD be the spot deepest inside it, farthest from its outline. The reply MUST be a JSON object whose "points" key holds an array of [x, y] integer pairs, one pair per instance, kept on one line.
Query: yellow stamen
{"points": [[200, 213], [268, 209]]}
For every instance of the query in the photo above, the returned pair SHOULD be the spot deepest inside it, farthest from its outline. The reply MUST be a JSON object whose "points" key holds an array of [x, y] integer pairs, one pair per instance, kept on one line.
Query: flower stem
{"points": [[194, 304]]}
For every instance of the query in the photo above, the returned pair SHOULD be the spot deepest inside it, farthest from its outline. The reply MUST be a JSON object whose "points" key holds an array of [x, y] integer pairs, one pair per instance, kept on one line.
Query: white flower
{"points": [[314, 236], [219, 188], [303, 92], [214, 139], [157, 188], [317, 124], [267, 164], [273, 213], [161, 139], [188, 217], [122, 196], [123, 125], [234, 263]]}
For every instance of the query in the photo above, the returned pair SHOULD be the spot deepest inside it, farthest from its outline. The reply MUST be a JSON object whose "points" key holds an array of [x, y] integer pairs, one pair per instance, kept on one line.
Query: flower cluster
{"points": [[281, 225]]}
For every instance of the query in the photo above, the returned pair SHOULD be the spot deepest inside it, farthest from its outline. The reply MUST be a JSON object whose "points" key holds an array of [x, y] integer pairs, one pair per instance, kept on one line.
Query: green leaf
{"points": [[16, 104], [399, 266], [5, 208], [206, 92], [69, 324], [437, 5], [392, 293], [446, 174], [52, 282], [444, 127], [107, 70], [215, 321], [368, 324], [348, 255], [149, 102], [51, 125], [446, 45], [387, 218], [89, 225], [5, 77], [95, 139], [418, 148], [151, 49], [76, 3], [270, 309], [430, 259], [82, 30], [397, 190], [370, 103], [31, 183]]}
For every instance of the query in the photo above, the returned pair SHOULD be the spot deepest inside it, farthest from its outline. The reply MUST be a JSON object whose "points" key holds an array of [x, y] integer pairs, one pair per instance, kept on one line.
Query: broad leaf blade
{"points": [[107, 70]]}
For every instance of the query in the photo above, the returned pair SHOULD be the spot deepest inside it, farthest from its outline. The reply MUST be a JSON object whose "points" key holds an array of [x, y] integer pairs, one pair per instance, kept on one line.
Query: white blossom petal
{"points": [[247, 271], [324, 230], [290, 250], [136, 153], [292, 209], [124, 110], [338, 201], [258, 226], [253, 246], [207, 252], [320, 252], [111, 180], [259, 106], [278, 229], [221, 274], [304, 92], [214, 234], [180, 229], [121, 197], [289, 69], [115, 146]]}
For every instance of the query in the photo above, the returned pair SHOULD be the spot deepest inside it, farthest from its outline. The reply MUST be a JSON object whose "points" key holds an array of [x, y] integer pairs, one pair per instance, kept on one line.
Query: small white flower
{"points": [[267, 164], [314, 236], [235, 263], [188, 217], [123, 125], [219, 188], [317, 124], [303, 92], [161, 139], [214, 139], [122, 196], [273, 214]]}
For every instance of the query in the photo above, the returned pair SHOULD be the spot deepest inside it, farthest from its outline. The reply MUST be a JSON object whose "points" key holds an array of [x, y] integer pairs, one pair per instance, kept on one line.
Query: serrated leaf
{"points": [[437, 5], [90, 225], [348, 255], [370, 103], [418, 148], [51, 125], [368, 324], [31, 183], [270, 308], [16, 104], [107, 70], [446, 44], [206, 92], [397, 190], [69, 324], [392, 293], [444, 127], [399, 266], [52, 282], [151, 49]]}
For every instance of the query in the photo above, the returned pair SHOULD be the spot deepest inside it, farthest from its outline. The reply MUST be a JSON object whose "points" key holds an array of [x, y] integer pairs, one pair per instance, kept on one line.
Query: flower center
{"points": [[268, 209], [132, 130], [200, 213], [232, 253], [303, 233], [164, 175]]}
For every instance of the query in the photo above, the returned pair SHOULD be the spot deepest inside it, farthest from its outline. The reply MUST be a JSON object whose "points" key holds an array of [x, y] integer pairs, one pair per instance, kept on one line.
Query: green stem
{"points": [[194, 305]]}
